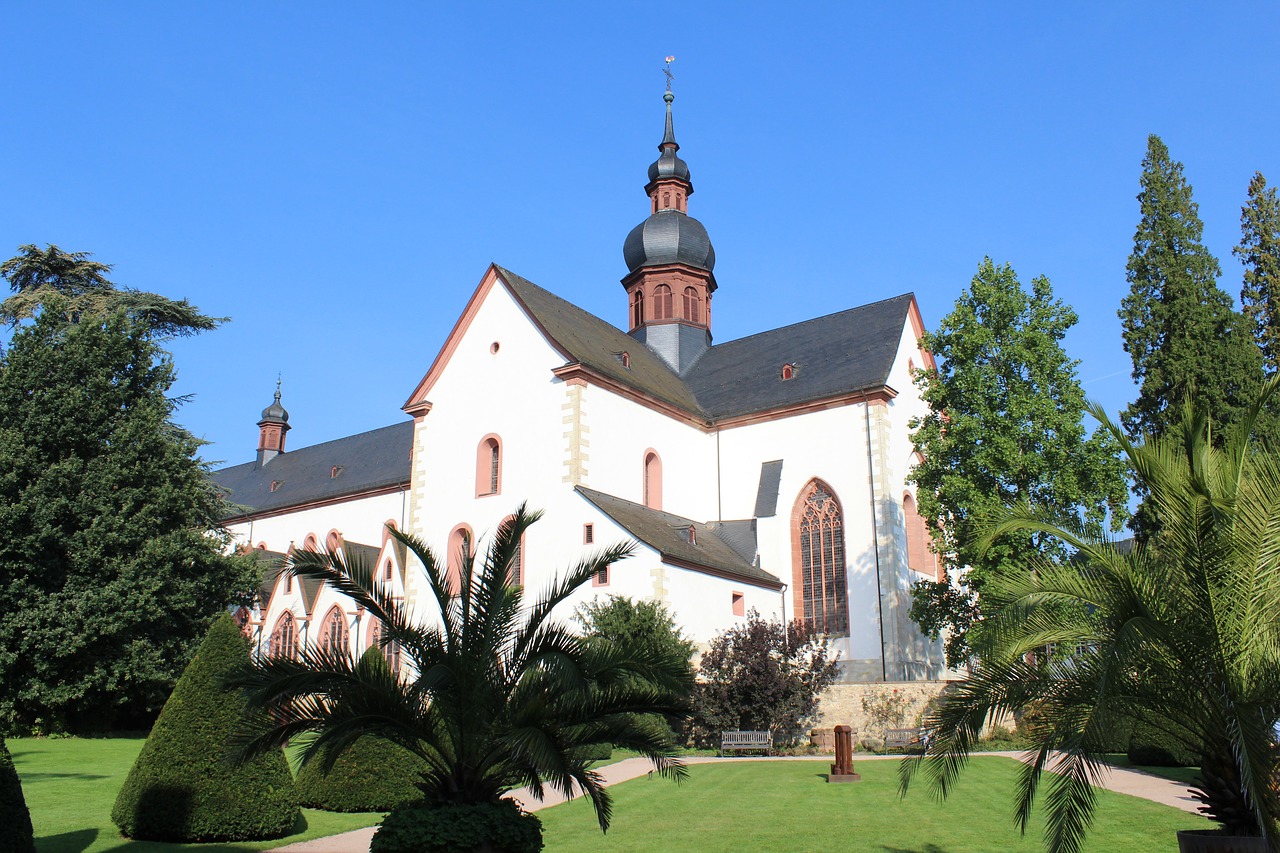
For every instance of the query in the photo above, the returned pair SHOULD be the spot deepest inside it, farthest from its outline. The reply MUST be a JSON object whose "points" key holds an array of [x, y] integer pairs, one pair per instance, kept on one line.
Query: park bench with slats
{"points": [[746, 741], [907, 740]]}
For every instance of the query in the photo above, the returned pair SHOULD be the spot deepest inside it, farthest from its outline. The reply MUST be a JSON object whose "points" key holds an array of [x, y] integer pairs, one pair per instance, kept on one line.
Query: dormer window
{"points": [[689, 534], [789, 371], [625, 358], [335, 471], [275, 484]]}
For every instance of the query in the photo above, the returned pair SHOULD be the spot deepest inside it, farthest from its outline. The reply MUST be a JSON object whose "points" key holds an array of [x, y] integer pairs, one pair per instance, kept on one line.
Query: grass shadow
{"points": [[928, 848], [76, 841]]}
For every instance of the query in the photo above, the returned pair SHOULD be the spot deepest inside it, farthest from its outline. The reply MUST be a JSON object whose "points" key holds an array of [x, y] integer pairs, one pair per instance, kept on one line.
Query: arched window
{"points": [[311, 543], [515, 572], [692, 311], [652, 480], [242, 618], [821, 591], [920, 556], [333, 632], [284, 639], [663, 304], [489, 466], [387, 571], [459, 549], [390, 651], [333, 541]]}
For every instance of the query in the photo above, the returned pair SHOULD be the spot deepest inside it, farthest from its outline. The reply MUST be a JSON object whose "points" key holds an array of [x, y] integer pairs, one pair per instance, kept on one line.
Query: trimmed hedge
{"points": [[1151, 747], [501, 827], [371, 775], [184, 785], [15, 820]]}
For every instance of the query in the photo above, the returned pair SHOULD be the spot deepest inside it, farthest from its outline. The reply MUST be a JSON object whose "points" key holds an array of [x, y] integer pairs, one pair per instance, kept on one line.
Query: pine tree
{"points": [[15, 820], [1259, 251], [108, 573], [1005, 424], [1180, 328], [185, 785]]}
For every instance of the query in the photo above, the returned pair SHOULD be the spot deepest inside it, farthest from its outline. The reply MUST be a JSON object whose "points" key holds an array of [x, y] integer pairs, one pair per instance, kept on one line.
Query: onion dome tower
{"points": [[669, 259], [271, 430]]}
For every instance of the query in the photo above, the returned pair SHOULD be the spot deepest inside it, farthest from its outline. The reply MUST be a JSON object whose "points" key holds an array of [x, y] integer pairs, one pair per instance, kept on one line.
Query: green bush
{"points": [[15, 821], [371, 775], [184, 785], [1151, 747], [501, 827]]}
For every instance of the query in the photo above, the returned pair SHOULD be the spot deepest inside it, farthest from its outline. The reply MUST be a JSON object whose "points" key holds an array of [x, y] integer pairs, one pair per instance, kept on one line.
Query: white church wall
{"points": [[358, 520]]}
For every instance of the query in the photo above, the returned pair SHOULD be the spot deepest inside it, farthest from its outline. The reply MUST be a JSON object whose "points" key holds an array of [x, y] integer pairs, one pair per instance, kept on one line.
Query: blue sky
{"points": [[337, 177]]}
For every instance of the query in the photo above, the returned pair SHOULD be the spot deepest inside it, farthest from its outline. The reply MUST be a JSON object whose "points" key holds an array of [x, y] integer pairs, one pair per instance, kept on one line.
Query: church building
{"points": [[767, 473]]}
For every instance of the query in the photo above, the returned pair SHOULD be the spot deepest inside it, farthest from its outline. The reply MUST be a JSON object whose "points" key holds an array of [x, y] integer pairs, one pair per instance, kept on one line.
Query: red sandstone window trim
{"points": [[601, 578], [663, 303], [460, 543], [738, 602], [651, 482], [819, 574], [515, 572], [691, 305], [334, 637], [284, 638], [588, 534], [489, 466]]}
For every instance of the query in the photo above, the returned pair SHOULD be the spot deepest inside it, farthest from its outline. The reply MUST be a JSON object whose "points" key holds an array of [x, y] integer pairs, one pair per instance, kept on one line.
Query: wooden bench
{"points": [[746, 740], [907, 740]]}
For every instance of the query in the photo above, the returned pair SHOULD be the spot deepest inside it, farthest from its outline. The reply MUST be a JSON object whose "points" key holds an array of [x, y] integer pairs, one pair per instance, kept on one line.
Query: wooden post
{"points": [[842, 770]]}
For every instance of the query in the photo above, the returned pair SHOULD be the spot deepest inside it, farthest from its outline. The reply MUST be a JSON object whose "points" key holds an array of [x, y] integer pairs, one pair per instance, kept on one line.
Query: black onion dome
{"points": [[669, 237], [275, 413]]}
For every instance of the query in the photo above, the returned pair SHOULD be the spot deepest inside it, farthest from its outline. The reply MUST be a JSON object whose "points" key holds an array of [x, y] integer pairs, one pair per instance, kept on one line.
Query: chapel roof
{"points": [[346, 466], [838, 354], [668, 534]]}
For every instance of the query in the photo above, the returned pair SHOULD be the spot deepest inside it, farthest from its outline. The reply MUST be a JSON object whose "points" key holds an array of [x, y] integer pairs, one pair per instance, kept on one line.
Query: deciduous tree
{"points": [[1005, 424]]}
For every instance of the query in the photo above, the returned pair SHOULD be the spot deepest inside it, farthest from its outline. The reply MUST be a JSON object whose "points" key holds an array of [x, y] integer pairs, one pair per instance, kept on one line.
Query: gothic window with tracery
{"points": [[822, 592], [284, 639], [390, 651], [333, 632]]}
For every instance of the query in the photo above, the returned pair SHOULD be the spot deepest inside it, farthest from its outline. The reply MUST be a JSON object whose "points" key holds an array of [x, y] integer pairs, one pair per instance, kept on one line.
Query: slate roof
{"points": [[366, 461], [837, 354], [667, 534]]}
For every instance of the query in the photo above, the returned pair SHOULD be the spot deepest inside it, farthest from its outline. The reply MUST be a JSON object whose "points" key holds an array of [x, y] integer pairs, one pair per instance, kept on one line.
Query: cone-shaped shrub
{"points": [[15, 820], [371, 775], [184, 785]]}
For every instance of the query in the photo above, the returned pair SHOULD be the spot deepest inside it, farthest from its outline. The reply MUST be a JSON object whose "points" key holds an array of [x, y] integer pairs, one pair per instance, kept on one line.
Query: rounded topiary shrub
{"points": [[184, 785], [371, 775], [1151, 747], [501, 827], [15, 820]]}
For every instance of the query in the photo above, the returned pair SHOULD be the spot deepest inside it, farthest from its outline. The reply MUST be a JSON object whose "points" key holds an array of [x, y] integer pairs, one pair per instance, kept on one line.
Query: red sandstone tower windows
{"points": [[637, 308], [663, 303], [821, 591], [652, 488], [284, 639], [691, 310], [489, 466]]}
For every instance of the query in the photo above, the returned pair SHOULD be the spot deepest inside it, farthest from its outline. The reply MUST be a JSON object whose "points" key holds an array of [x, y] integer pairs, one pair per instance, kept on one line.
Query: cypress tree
{"points": [[1259, 251], [184, 785], [1180, 328], [16, 835]]}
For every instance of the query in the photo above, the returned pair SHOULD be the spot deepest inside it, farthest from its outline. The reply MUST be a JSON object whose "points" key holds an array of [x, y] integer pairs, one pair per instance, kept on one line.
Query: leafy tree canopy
{"points": [[1259, 251], [1180, 328], [1005, 425], [109, 573], [761, 675], [81, 289], [645, 625]]}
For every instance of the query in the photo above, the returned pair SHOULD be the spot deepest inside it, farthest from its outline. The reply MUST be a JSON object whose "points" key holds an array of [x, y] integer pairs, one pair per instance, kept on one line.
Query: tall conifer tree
{"points": [[1180, 328], [1259, 251]]}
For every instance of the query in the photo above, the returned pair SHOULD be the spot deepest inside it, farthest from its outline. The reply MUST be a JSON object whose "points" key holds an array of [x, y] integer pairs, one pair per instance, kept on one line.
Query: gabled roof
{"points": [[668, 535], [838, 354], [366, 462]]}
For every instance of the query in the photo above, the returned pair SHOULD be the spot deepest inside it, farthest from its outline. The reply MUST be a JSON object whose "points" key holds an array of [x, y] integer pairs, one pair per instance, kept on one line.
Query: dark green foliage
{"points": [[500, 827], [108, 574], [15, 820], [78, 289], [1259, 251], [1180, 328], [185, 785], [498, 695], [371, 775], [760, 676], [1151, 747], [1005, 424]]}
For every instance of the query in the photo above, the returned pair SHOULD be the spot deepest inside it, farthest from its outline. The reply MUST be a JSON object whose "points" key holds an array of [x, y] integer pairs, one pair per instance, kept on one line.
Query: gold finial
{"points": [[667, 71]]}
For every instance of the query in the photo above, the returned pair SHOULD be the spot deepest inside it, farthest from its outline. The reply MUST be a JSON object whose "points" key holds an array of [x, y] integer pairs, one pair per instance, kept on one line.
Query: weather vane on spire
{"points": [[667, 71]]}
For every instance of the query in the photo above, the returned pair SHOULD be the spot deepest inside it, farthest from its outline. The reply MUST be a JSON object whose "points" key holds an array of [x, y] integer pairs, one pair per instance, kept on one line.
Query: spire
{"points": [[669, 138], [271, 429]]}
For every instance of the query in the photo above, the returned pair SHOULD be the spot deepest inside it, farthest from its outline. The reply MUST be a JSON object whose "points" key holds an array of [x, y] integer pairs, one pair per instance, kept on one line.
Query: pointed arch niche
{"points": [[819, 579]]}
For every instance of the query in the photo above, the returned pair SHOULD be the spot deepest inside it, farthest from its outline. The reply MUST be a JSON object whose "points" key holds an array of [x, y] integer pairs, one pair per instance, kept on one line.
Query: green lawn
{"points": [[71, 784], [789, 806]]}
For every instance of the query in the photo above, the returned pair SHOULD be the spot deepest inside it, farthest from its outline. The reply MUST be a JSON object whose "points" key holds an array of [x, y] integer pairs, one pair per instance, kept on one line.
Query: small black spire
{"points": [[275, 413], [669, 138], [668, 165]]}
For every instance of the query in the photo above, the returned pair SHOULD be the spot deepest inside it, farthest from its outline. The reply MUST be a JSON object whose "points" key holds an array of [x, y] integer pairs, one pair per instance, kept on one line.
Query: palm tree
{"points": [[1181, 633], [495, 695]]}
